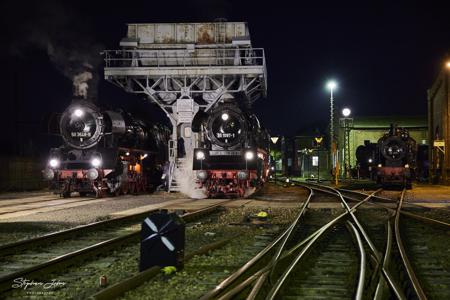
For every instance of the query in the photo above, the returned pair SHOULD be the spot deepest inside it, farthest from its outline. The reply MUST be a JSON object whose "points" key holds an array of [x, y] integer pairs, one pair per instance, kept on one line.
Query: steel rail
{"points": [[277, 286], [405, 213], [395, 287], [362, 264], [67, 233], [311, 240], [263, 272], [87, 252], [257, 286], [361, 229], [381, 198], [213, 294], [225, 284], [290, 229], [387, 256], [118, 289], [409, 269]]}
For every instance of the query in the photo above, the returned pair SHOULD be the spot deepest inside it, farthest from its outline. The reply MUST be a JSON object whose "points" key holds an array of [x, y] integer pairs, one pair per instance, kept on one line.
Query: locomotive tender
{"points": [[233, 154], [105, 152]]}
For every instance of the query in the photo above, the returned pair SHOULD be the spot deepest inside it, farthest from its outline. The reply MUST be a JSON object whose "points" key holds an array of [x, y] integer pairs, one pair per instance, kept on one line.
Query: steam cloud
{"points": [[187, 181]]}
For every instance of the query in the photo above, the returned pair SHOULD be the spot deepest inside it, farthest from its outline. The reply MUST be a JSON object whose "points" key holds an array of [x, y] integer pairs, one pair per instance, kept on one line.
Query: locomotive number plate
{"points": [[80, 134], [222, 152]]}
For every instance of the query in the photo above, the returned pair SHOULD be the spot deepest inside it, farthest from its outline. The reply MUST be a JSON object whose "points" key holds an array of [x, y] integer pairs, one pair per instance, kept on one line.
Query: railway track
{"points": [[42, 255], [206, 269], [275, 262], [340, 253], [329, 273], [356, 262]]}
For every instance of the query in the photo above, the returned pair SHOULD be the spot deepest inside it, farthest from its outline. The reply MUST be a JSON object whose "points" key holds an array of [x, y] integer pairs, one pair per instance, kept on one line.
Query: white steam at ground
{"points": [[186, 179]]}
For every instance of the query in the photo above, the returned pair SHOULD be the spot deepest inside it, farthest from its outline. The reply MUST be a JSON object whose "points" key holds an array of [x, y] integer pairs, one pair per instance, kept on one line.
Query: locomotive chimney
{"points": [[392, 129]]}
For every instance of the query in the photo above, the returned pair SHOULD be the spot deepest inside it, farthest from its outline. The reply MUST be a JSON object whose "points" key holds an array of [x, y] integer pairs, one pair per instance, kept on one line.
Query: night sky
{"points": [[383, 55]]}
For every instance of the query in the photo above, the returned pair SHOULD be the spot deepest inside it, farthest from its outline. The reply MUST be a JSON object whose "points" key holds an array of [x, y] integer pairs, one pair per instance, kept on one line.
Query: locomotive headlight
{"points": [[407, 166], [92, 174], [380, 165], [249, 155], [202, 175], [200, 155], [54, 162], [96, 162], [78, 113], [242, 175], [225, 116]]}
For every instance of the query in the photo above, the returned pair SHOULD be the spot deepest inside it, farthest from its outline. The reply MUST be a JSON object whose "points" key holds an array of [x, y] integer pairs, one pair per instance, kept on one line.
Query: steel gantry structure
{"points": [[186, 68]]}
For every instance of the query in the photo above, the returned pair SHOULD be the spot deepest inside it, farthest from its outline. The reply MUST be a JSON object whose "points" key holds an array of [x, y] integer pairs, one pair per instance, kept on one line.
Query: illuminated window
{"points": [[315, 161]]}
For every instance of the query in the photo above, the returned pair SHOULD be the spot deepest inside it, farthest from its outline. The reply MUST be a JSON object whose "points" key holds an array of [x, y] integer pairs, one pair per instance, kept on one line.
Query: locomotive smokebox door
{"points": [[162, 241]]}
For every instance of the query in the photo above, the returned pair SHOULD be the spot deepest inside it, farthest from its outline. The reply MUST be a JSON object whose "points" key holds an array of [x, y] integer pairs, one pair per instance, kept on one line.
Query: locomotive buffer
{"points": [[185, 68]]}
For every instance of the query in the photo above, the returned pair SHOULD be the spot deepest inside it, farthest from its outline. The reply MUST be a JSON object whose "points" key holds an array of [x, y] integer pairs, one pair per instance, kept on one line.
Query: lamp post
{"points": [[332, 85], [274, 140]]}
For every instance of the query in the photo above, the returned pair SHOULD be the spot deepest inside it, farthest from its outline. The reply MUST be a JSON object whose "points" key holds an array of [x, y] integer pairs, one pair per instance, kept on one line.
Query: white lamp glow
{"points": [[331, 85], [346, 112]]}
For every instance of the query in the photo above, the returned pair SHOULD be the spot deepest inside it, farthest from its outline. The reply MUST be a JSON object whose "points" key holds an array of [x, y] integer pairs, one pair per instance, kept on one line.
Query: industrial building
{"points": [[439, 127], [371, 129], [302, 157]]}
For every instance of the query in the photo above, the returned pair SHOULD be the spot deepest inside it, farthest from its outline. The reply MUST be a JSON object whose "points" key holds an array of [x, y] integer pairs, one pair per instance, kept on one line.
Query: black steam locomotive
{"points": [[396, 158], [367, 160], [105, 152], [233, 154]]}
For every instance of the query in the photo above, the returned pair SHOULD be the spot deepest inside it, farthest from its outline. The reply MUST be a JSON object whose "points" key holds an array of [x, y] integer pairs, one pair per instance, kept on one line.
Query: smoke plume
{"points": [[67, 39]]}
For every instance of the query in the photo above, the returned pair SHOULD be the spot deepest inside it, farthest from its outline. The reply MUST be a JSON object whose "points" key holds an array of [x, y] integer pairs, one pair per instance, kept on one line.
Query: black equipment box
{"points": [[162, 241]]}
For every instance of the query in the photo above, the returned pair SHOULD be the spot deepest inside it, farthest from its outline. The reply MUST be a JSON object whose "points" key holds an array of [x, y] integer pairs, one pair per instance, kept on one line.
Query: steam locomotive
{"points": [[367, 160], [232, 159], [105, 152], [397, 157]]}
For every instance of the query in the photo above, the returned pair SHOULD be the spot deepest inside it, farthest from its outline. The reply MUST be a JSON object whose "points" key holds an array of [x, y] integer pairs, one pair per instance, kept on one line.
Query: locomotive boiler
{"points": [[105, 152], [233, 157], [397, 158]]}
